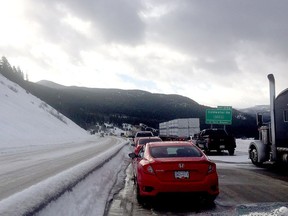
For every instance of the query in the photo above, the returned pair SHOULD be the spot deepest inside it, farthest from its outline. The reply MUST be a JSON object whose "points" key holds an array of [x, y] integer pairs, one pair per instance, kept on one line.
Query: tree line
{"points": [[15, 74]]}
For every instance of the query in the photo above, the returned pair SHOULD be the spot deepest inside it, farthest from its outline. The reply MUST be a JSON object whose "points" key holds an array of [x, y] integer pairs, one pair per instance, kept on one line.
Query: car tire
{"points": [[210, 199], [207, 151], [139, 198], [231, 151], [134, 179]]}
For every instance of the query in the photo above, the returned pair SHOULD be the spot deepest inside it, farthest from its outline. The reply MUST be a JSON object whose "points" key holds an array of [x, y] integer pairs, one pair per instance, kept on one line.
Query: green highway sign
{"points": [[219, 116], [224, 107]]}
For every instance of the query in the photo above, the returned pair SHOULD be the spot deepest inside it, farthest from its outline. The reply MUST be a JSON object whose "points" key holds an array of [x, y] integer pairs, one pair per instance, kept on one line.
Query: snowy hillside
{"points": [[26, 120], [256, 109]]}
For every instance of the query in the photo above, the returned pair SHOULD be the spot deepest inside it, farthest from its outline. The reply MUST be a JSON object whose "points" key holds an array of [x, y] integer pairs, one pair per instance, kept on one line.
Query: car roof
{"points": [[147, 138], [171, 143], [138, 132]]}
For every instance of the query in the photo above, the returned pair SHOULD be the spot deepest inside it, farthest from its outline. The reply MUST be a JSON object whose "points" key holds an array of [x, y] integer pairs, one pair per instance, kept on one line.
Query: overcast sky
{"points": [[217, 53]]}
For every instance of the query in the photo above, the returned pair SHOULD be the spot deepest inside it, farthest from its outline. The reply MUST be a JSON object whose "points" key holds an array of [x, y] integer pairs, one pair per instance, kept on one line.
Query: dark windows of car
{"points": [[144, 141], [144, 134], [175, 151], [214, 132]]}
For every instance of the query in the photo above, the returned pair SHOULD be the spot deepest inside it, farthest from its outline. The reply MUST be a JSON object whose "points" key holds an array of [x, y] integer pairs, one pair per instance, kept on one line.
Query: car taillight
{"points": [[148, 169], [211, 168]]}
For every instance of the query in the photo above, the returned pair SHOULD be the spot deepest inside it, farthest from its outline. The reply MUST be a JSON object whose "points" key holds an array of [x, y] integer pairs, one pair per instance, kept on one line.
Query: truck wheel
{"points": [[231, 151], [254, 156]]}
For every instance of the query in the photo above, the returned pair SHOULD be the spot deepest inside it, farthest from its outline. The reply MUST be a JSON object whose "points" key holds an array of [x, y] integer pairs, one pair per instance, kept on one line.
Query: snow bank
{"points": [[38, 196]]}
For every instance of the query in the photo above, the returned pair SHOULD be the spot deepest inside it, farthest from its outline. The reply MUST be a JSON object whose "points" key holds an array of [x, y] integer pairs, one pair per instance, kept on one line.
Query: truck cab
{"points": [[272, 146]]}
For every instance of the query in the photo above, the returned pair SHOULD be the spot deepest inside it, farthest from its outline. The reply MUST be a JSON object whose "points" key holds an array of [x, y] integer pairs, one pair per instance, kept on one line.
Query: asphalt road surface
{"points": [[244, 188], [21, 168]]}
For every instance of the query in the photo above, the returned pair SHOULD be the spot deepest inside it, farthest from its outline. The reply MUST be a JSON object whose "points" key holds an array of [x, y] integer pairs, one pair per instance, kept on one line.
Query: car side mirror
{"points": [[132, 155]]}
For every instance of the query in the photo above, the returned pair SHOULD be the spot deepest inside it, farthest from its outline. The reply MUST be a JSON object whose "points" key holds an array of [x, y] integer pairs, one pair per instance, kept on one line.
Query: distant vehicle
{"points": [[143, 140], [215, 139], [142, 134], [173, 166], [272, 146], [179, 129]]}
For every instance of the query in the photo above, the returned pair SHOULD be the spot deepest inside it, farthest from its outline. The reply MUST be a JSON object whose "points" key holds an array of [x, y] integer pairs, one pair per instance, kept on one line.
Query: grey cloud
{"points": [[47, 18], [118, 21], [223, 22], [115, 21], [213, 33], [209, 29]]}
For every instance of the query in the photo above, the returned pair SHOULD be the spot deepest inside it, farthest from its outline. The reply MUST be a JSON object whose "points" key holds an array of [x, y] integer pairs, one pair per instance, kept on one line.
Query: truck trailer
{"points": [[179, 129], [272, 146]]}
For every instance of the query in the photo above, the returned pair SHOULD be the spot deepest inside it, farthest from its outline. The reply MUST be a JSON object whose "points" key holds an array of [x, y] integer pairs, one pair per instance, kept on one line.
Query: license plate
{"points": [[181, 174], [222, 146]]}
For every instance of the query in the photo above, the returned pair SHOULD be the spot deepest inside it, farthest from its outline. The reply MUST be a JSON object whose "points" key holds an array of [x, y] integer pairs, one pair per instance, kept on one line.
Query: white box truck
{"points": [[179, 129]]}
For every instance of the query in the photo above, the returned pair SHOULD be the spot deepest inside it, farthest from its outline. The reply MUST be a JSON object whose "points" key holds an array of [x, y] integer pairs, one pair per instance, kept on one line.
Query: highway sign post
{"points": [[219, 115]]}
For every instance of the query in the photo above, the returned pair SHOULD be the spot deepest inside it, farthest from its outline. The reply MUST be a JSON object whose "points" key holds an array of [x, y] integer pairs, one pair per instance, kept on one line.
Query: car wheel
{"points": [[210, 199], [133, 179], [231, 151], [139, 198]]}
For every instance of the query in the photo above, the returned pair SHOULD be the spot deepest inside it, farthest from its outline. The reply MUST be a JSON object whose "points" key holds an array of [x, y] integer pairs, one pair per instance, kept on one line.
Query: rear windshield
{"points": [[174, 151], [144, 135], [215, 132]]}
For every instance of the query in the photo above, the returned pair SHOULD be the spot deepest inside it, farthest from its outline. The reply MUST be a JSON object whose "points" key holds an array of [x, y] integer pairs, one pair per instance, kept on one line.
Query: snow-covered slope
{"points": [[26, 120]]}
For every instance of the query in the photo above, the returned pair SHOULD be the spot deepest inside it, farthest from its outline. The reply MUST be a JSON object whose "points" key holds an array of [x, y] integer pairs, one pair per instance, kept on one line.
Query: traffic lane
{"points": [[240, 186], [244, 184]]}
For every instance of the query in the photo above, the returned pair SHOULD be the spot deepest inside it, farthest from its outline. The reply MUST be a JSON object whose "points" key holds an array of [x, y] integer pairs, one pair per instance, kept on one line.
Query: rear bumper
{"points": [[216, 146], [152, 186]]}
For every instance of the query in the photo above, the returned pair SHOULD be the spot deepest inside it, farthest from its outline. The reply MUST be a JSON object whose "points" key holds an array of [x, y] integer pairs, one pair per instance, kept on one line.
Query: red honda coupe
{"points": [[174, 166]]}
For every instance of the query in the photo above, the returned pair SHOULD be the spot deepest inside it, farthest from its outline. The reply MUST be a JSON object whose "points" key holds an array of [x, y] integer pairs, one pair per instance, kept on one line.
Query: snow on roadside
{"points": [[88, 197]]}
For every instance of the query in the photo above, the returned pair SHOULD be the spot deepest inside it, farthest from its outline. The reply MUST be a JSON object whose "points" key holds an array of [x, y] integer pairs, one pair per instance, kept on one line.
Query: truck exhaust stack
{"points": [[272, 115]]}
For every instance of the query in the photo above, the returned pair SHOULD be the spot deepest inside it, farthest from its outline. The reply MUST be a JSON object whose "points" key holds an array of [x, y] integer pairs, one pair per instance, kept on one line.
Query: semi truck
{"points": [[272, 145], [179, 129]]}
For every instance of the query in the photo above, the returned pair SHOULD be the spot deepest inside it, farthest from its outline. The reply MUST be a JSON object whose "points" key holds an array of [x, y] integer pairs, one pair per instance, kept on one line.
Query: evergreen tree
{"points": [[12, 73], [6, 68]]}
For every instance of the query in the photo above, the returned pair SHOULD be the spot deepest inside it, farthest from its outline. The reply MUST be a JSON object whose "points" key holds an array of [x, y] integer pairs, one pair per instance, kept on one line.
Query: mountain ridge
{"points": [[86, 106]]}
